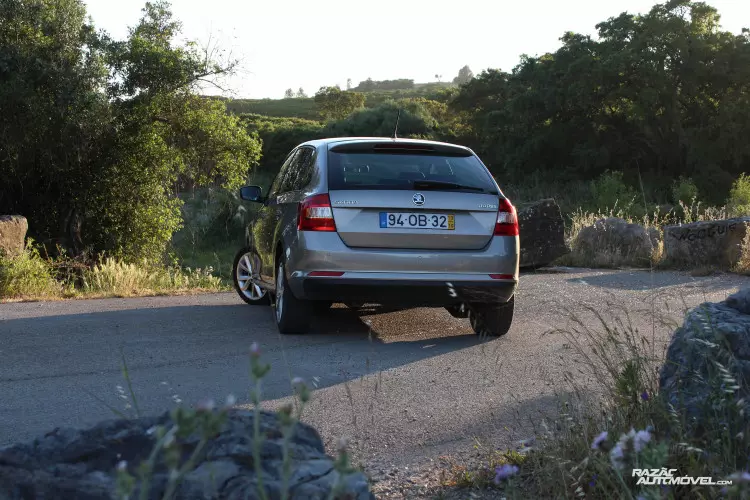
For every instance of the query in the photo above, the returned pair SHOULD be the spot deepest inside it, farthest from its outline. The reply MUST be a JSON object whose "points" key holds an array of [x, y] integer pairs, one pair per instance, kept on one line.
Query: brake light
{"points": [[502, 277], [507, 219], [315, 214]]}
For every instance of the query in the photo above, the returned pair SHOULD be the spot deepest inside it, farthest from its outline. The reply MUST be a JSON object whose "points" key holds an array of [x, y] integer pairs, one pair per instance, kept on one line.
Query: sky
{"points": [[291, 43]]}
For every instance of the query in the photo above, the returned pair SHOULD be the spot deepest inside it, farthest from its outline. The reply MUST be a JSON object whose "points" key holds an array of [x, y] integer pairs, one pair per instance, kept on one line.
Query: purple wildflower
{"points": [[598, 440], [255, 350], [740, 477], [617, 457], [592, 483], [206, 405], [640, 440], [644, 396], [504, 472]]}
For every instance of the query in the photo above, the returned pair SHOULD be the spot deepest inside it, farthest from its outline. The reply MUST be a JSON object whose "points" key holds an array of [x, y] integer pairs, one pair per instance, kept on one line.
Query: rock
{"points": [[541, 233], [71, 463], [615, 242], [716, 243], [690, 379], [12, 234]]}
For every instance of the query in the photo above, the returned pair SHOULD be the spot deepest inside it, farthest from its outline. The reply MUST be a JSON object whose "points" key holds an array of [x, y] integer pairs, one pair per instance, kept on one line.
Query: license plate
{"points": [[417, 221]]}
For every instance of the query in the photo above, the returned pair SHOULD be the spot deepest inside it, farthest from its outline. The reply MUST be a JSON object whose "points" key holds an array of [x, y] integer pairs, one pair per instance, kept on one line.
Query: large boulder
{"points": [[12, 234], [69, 463], [707, 368], [716, 243], [541, 234], [615, 242]]}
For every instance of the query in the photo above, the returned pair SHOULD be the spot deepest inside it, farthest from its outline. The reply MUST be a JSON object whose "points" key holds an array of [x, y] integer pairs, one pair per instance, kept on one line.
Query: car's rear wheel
{"points": [[292, 314], [492, 320], [321, 306], [242, 274]]}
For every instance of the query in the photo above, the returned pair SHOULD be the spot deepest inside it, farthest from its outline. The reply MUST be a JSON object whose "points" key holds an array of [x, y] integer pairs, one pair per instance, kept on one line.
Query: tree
{"points": [[289, 94], [415, 121], [335, 104], [301, 93], [438, 77], [465, 75], [97, 134], [348, 84], [655, 96]]}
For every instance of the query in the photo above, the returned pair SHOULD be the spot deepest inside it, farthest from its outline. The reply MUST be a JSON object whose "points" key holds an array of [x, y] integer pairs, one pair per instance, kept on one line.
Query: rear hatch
{"points": [[411, 196]]}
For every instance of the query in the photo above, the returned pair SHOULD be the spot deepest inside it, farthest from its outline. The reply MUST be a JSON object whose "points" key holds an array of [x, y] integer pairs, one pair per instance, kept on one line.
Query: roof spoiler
{"points": [[394, 147]]}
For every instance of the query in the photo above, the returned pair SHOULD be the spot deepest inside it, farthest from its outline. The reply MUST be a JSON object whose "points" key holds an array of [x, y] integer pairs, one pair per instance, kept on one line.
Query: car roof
{"points": [[332, 141]]}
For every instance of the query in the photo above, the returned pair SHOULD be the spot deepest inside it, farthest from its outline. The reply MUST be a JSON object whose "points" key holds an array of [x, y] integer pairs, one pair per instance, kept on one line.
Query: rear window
{"points": [[397, 170]]}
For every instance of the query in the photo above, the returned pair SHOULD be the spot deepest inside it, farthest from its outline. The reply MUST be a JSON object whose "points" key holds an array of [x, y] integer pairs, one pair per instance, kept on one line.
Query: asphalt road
{"points": [[403, 386]]}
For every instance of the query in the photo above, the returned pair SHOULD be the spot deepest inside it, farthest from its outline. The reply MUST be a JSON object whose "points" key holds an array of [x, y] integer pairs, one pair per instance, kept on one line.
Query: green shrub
{"points": [[609, 192], [27, 275], [684, 191], [738, 203]]}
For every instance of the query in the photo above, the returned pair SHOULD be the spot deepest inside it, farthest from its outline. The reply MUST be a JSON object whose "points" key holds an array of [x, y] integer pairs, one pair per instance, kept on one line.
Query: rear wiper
{"points": [[426, 184]]}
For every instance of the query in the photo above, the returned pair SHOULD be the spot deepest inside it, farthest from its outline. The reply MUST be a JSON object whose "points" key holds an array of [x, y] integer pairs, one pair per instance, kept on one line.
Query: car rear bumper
{"points": [[435, 291]]}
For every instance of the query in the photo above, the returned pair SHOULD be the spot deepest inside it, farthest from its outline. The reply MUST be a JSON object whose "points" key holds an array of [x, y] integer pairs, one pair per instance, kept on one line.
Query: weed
{"points": [[27, 275]]}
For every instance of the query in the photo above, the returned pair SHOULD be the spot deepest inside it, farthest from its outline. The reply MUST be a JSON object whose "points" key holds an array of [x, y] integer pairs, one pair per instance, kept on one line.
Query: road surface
{"points": [[404, 387]]}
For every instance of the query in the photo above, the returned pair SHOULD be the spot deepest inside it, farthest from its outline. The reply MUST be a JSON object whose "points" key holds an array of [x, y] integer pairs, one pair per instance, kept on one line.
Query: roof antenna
{"points": [[395, 129]]}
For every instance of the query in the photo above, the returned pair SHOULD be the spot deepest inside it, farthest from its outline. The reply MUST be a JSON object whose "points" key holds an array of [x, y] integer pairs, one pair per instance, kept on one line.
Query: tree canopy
{"points": [[465, 75], [657, 95], [96, 134], [335, 104]]}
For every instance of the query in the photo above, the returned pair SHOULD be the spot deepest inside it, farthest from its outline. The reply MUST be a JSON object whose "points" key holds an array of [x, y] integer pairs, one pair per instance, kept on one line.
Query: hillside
{"points": [[304, 107]]}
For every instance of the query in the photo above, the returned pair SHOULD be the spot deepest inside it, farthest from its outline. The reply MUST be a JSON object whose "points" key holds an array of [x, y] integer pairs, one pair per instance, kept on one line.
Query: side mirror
{"points": [[252, 193]]}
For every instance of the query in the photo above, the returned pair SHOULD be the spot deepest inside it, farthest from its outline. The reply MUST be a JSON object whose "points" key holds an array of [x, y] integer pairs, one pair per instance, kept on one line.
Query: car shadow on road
{"points": [[210, 337], [201, 348]]}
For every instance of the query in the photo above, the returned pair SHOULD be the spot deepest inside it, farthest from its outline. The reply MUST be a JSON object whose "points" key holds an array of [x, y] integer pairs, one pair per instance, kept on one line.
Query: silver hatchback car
{"points": [[386, 221]]}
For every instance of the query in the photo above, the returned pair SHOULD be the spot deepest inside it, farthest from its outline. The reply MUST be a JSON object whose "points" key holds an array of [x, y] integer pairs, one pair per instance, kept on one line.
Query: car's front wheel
{"points": [[492, 320], [292, 314], [242, 275]]}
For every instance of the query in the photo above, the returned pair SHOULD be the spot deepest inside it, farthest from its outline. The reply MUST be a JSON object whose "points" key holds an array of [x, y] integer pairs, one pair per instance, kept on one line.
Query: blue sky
{"points": [[292, 43]]}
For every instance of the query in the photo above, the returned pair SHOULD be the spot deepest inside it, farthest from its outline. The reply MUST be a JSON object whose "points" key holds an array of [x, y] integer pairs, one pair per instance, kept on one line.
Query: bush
{"points": [[684, 191], [738, 203], [609, 192], [27, 275]]}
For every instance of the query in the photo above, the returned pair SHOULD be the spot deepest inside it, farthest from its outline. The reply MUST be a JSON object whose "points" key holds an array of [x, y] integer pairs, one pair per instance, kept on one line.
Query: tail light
{"points": [[507, 219], [315, 214]]}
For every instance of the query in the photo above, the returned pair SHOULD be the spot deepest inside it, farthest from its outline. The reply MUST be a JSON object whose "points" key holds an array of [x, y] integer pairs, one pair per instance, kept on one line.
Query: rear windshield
{"points": [[388, 171]]}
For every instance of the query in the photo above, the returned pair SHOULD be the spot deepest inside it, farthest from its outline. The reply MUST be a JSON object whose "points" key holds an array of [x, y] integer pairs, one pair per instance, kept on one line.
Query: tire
{"points": [[321, 306], [491, 320], [292, 314], [242, 267]]}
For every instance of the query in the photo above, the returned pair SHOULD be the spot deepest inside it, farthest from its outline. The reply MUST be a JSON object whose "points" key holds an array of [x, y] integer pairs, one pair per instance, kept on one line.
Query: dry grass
{"points": [[32, 277], [612, 356]]}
